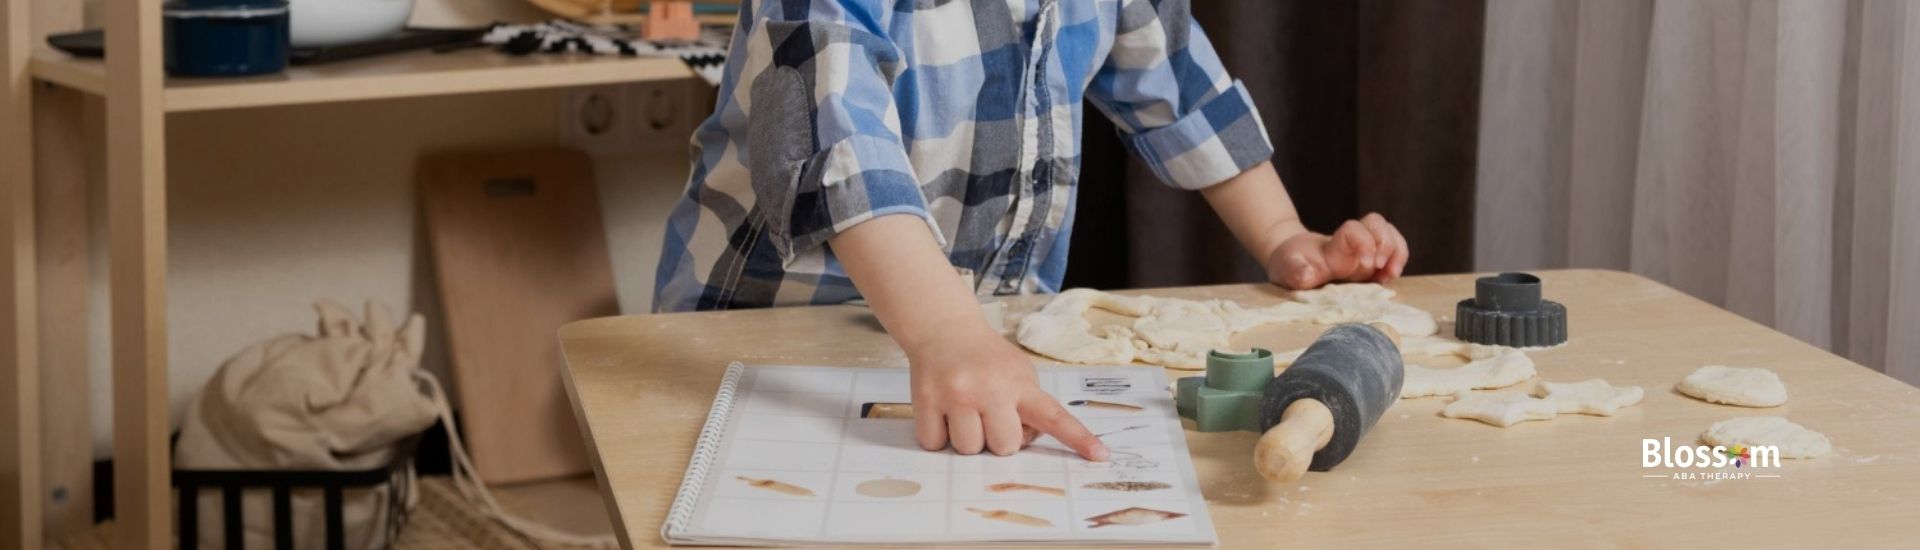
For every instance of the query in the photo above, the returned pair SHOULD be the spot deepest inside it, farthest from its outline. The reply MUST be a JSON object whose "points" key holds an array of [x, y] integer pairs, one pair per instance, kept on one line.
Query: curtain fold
{"points": [[1371, 105], [1760, 155]]}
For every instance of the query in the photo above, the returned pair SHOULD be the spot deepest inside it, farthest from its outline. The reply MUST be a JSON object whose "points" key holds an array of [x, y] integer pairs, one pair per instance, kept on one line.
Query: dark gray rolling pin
{"points": [[1316, 411]]}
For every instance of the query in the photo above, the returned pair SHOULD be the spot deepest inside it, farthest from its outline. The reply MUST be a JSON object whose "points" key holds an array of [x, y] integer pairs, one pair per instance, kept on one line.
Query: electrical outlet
{"points": [[661, 113], [628, 118], [591, 119]]}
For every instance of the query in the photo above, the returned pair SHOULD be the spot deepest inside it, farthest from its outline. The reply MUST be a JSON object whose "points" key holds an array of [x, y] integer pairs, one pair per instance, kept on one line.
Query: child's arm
{"points": [[811, 94], [1256, 208], [1195, 126], [970, 385]]}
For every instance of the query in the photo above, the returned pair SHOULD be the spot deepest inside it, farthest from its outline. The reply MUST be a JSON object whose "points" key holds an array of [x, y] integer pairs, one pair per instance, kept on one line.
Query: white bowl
{"points": [[318, 23]]}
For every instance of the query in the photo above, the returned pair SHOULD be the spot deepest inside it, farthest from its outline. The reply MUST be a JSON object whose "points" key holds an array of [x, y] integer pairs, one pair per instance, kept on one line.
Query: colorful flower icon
{"points": [[1739, 454]]}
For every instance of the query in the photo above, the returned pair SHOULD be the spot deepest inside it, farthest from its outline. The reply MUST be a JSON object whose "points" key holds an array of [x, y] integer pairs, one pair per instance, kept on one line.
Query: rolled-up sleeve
{"points": [[1177, 109], [824, 140]]}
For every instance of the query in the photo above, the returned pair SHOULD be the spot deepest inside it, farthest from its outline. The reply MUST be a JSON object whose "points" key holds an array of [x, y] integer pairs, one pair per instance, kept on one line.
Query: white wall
{"points": [[271, 209]]}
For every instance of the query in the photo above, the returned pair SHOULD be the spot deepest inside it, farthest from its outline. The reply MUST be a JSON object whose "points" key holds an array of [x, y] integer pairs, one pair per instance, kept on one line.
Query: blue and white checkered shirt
{"points": [[964, 113]]}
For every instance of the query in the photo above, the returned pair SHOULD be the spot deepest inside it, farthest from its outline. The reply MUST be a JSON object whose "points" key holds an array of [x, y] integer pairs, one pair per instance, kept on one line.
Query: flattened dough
{"points": [[1061, 331], [1595, 397], [1493, 367], [1366, 303], [1178, 333], [1434, 346], [1501, 409], [1794, 440], [1743, 386]]}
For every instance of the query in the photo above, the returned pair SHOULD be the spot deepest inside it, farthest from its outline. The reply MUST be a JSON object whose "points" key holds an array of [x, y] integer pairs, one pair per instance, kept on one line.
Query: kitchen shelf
{"points": [[408, 74], [47, 161]]}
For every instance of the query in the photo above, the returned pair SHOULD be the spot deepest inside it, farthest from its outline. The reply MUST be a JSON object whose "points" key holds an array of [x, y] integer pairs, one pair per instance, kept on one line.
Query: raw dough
{"points": [[1743, 386], [1501, 409], [1366, 303], [1794, 440], [1061, 331], [1492, 367], [1434, 346], [1595, 397], [1178, 333]]}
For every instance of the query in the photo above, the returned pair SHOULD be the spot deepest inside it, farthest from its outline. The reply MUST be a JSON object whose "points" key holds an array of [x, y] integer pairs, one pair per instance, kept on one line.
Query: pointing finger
{"points": [[1045, 414]]}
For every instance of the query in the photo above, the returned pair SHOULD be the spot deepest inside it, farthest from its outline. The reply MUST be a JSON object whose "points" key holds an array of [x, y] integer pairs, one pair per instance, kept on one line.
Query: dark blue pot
{"points": [[226, 40]]}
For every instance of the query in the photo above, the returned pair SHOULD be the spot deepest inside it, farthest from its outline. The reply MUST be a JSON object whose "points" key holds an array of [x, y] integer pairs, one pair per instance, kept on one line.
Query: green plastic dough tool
{"points": [[1228, 397]]}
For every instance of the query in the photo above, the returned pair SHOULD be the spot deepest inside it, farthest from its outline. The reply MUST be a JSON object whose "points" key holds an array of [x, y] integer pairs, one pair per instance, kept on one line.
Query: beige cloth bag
{"points": [[339, 400]]}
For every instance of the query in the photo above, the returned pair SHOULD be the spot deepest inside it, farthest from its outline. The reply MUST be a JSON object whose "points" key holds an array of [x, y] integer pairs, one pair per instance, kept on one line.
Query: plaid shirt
{"points": [[963, 113]]}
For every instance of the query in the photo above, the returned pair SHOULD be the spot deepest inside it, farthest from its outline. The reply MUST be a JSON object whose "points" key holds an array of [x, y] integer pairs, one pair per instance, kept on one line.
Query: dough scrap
{"points": [[1595, 397], [1743, 386], [1501, 409], [1178, 333], [1794, 440], [1492, 367], [1434, 346]]}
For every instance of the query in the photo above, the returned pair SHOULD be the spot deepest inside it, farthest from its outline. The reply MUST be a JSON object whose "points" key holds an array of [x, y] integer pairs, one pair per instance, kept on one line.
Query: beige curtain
{"points": [[1762, 155]]}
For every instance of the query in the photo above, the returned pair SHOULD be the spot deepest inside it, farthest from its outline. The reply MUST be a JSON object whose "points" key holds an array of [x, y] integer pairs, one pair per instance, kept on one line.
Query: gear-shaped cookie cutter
{"points": [[1506, 310]]}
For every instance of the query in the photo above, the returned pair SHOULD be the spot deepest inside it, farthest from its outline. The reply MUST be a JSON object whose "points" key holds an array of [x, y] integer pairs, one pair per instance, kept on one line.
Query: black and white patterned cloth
{"points": [[706, 56]]}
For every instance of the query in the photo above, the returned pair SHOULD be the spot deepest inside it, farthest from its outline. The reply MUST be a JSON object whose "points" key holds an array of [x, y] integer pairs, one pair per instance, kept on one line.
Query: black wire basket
{"points": [[332, 485]]}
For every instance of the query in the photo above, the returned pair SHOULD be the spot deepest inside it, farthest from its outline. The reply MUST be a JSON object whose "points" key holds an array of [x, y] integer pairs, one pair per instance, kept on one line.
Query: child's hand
{"points": [[1367, 249], [978, 392]]}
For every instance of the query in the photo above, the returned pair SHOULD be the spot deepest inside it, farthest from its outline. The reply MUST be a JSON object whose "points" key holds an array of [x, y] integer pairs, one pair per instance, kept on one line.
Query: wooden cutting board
{"points": [[518, 251]]}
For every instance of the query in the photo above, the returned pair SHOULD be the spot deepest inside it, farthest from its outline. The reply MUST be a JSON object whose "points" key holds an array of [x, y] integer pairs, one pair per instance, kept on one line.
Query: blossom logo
{"points": [[1707, 463]]}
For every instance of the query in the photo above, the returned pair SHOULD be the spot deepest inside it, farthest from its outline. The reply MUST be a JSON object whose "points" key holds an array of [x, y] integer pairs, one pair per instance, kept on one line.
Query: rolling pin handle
{"points": [[1284, 452]]}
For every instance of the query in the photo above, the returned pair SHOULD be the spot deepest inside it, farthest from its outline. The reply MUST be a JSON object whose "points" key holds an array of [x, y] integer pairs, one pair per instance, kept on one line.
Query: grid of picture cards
{"points": [[797, 455]]}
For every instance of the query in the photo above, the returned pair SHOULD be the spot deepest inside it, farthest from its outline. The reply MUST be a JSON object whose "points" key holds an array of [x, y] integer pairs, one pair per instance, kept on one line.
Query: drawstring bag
{"points": [[339, 400]]}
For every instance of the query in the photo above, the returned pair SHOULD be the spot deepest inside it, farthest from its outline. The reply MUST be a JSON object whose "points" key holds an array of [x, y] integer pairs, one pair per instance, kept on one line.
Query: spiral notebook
{"points": [[795, 455]]}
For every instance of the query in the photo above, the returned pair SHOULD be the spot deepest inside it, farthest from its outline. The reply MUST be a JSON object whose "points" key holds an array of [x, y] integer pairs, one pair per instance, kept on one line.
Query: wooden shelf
{"points": [[410, 74]]}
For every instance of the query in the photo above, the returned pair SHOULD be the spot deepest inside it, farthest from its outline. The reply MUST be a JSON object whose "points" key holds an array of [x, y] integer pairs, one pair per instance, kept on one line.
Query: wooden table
{"points": [[642, 386]]}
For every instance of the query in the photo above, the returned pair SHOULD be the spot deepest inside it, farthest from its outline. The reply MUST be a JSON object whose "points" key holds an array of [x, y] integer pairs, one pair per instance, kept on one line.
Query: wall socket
{"points": [[628, 118]]}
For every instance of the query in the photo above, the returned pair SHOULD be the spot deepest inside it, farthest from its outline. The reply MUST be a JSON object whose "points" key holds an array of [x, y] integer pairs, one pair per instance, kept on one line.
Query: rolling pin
{"points": [[1316, 411]]}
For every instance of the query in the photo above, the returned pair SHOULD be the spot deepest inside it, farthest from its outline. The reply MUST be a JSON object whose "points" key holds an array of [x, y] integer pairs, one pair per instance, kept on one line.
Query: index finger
{"points": [[1043, 413]]}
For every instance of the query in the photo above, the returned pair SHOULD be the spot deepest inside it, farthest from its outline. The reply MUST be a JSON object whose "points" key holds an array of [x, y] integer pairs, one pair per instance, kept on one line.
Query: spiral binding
{"points": [[703, 455]]}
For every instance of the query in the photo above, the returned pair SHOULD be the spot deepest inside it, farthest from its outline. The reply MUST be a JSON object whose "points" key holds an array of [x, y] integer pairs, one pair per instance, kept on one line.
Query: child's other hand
{"points": [[978, 392], [1367, 249]]}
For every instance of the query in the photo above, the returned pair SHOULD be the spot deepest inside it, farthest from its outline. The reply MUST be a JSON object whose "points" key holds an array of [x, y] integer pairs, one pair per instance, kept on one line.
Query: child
{"points": [[869, 148]]}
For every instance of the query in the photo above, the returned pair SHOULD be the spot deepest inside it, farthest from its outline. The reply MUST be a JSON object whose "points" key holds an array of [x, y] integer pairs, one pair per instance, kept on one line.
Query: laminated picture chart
{"points": [[827, 456]]}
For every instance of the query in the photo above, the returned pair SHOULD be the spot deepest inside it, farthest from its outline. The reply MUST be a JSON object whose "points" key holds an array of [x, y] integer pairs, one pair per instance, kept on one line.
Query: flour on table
{"points": [[1501, 409], [1178, 333], [1492, 367], [1794, 440], [1595, 397], [1743, 386]]}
